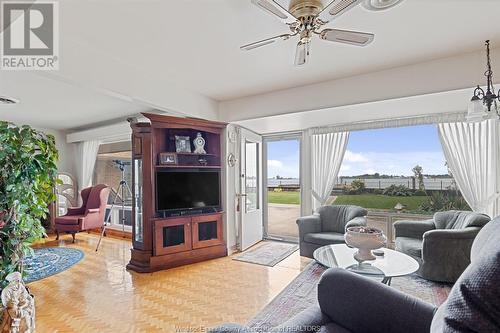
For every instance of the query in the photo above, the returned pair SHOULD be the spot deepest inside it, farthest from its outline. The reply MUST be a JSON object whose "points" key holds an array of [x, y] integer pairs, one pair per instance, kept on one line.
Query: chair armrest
{"points": [[359, 221], [413, 229], [448, 234], [308, 224], [75, 211], [446, 253], [92, 210], [363, 305], [448, 245]]}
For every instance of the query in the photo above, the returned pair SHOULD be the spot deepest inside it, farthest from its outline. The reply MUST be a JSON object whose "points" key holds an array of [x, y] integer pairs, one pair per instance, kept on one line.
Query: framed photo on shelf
{"points": [[168, 158], [182, 144]]}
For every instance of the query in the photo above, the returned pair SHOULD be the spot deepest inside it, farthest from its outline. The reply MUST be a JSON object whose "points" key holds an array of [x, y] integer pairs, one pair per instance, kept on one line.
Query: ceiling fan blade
{"points": [[336, 8], [264, 42], [302, 53], [272, 7], [347, 37]]}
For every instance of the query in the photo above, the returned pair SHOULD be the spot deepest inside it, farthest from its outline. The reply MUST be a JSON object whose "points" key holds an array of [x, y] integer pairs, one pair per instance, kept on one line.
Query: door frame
{"points": [[265, 209]]}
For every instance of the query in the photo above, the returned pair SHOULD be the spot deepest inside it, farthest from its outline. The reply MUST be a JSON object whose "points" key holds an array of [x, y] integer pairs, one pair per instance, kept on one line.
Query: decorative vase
{"points": [[365, 239]]}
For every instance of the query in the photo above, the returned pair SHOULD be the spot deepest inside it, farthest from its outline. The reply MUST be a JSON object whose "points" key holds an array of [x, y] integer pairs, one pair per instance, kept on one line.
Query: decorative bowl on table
{"points": [[365, 239]]}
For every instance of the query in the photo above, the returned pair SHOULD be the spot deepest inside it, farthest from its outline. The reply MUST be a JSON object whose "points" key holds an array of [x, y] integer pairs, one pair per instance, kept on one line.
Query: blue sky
{"points": [[393, 151]]}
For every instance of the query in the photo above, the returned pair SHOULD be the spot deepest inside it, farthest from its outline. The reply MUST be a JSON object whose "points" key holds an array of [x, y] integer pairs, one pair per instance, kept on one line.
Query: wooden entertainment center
{"points": [[168, 238]]}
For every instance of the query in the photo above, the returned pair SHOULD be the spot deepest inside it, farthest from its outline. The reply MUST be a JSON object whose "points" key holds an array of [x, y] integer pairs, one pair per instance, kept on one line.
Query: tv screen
{"points": [[187, 189]]}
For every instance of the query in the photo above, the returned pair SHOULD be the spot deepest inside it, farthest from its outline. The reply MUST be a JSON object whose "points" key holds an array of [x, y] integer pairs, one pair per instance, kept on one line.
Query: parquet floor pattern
{"points": [[100, 295]]}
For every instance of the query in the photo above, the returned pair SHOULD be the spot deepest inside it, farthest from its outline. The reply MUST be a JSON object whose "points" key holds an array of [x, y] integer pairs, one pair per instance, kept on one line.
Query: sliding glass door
{"points": [[282, 177]]}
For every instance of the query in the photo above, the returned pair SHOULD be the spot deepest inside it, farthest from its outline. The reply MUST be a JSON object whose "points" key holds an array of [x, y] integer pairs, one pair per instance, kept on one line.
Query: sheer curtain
{"points": [[327, 154], [471, 150], [86, 155]]}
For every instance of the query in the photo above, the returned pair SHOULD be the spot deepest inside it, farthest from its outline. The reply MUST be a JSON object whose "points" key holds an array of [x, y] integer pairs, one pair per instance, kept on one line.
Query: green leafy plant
{"points": [[420, 193], [398, 191], [27, 177], [356, 187], [442, 201]]}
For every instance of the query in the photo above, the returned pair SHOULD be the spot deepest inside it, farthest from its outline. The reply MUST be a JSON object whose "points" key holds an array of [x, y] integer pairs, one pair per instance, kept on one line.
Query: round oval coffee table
{"points": [[391, 264]]}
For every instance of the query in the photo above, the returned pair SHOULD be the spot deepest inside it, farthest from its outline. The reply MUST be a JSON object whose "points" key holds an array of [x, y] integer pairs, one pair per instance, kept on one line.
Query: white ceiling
{"points": [[184, 55], [48, 103], [196, 43]]}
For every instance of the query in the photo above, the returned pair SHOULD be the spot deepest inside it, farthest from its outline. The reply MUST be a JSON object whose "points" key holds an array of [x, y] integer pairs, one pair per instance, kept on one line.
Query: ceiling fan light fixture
{"points": [[302, 53], [307, 18]]}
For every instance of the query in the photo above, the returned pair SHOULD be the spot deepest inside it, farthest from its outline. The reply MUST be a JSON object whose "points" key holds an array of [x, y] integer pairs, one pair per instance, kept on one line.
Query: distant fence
{"points": [[291, 184], [431, 184]]}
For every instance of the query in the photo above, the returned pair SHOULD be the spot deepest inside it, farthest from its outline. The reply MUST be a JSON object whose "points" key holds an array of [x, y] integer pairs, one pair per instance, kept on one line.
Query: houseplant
{"points": [[27, 177]]}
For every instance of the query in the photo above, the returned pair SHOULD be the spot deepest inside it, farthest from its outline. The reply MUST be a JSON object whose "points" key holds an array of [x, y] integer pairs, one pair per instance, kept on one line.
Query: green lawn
{"points": [[292, 198], [376, 201], [370, 201]]}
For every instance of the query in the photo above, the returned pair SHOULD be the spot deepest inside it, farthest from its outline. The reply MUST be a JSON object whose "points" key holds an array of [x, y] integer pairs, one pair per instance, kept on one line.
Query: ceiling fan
{"points": [[306, 18]]}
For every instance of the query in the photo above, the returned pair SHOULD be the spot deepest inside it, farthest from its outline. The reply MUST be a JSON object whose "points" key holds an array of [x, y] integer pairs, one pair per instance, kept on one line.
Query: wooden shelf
{"points": [[194, 154], [188, 166]]}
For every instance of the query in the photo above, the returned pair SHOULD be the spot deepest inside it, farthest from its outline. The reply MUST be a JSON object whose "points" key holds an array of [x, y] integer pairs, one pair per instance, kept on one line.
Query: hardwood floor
{"points": [[100, 295]]}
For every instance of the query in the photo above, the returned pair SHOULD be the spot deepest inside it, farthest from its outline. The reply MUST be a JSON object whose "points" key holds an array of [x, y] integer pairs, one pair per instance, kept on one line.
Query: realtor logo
{"points": [[29, 35]]}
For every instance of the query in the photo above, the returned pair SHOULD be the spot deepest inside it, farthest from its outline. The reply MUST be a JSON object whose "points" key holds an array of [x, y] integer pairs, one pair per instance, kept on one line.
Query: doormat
{"points": [[267, 253]]}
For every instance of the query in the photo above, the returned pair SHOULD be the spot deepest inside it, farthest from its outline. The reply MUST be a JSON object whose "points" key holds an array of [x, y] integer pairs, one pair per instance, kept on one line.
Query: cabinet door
{"points": [[172, 236], [207, 230]]}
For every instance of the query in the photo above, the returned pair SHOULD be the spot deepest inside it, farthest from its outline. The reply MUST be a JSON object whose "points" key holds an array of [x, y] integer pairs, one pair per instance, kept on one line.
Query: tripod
{"points": [[121, 189]]}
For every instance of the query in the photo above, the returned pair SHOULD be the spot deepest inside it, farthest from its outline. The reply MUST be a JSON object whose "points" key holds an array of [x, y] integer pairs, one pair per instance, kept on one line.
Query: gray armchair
{"points": [[352, 303], [442, 245], [327, 226]]}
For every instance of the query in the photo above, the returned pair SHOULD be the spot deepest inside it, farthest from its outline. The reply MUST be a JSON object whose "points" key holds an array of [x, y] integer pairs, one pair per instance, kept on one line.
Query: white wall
{"points": [[439, 103], [66, 151]]}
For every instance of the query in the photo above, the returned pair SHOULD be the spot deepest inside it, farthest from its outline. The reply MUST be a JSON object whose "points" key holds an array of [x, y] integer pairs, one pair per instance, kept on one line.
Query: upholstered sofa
{"points": [[327, 226], [352, 303], [442, 245], [89, 216]]}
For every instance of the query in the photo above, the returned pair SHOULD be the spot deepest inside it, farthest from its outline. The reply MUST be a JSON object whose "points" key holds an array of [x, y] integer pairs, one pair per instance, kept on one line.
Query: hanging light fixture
{"points": [[484, 103]]}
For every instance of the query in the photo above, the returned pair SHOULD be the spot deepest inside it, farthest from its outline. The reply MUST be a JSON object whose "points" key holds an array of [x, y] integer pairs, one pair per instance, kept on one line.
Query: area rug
{"points": [[48, 261], [301, 293], [268, 253]]}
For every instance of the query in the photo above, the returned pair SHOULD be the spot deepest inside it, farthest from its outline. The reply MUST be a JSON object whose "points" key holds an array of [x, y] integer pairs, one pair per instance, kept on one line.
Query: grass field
{"points": [[370, 201], [375, 201], [292, 198]]}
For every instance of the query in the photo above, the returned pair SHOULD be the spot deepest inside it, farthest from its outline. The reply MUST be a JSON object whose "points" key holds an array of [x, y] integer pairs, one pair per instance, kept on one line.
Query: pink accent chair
{"points": [[89, 216]]}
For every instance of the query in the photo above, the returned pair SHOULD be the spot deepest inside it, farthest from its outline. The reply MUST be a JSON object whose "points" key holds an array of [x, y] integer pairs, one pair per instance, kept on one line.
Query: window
{"points": [[113, 165], [397, 169]]}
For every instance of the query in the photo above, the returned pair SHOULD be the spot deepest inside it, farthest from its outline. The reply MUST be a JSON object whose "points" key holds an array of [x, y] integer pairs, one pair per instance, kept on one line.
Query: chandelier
{"points": [[484, 103]]}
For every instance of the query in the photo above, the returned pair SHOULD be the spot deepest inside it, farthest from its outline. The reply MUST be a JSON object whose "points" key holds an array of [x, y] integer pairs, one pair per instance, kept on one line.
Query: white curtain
{"points": [[86, 155], [471, 150], [327, 154]]}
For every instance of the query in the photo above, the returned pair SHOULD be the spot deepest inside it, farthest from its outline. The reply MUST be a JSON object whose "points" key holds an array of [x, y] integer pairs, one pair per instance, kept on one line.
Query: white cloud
{"points": [[345, 167], [282, 169], [274, 164], [394, 163], [354, 157]]}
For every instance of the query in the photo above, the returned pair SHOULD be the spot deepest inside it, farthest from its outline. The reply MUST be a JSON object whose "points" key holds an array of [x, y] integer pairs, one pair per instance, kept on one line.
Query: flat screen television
{"points": [[187, 189]]}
